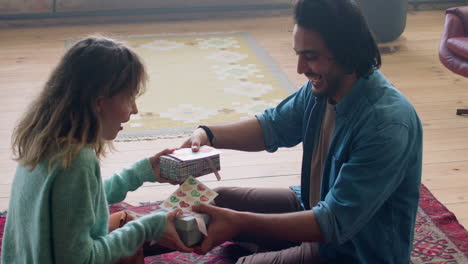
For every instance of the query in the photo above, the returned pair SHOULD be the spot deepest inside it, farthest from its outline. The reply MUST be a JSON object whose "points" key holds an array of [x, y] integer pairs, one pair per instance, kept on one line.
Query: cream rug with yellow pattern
{"points": [[202, 79]]}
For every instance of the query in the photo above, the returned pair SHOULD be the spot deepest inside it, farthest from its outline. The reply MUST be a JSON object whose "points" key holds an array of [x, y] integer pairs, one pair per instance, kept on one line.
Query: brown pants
{"points": [[268, 201]]}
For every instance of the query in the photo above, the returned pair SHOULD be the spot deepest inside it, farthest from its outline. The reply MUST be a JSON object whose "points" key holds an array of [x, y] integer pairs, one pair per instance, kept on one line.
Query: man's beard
{"points": [[331, 88]]}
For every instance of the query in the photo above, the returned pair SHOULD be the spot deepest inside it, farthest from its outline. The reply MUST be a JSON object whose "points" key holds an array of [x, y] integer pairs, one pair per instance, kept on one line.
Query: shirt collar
{"points": [[363, 88]]}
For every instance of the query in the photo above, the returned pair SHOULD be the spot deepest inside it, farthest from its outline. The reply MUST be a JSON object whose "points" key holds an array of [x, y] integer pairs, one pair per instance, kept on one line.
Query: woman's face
{"points": [[115, 111]]}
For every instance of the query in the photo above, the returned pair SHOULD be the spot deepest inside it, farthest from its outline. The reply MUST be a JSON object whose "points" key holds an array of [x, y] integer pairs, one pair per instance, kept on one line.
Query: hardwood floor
{"points": [[27, 55]]}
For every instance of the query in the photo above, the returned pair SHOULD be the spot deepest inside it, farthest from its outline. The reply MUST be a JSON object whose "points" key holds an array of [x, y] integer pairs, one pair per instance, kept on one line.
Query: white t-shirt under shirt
{"points": [[320, 153]]}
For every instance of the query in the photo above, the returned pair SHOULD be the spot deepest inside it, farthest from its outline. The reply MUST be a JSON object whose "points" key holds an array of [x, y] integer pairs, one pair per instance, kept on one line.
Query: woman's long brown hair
{"points": [[63, 118]]}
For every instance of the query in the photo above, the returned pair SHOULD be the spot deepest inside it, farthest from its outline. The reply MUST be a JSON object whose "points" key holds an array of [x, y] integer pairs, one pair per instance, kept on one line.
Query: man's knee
{"points": [[226, 196], [222, 190]]}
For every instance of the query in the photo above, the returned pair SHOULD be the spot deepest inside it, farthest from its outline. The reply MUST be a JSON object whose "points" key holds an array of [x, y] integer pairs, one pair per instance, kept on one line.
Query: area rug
{"points": [[439, 238], [202, 79]]}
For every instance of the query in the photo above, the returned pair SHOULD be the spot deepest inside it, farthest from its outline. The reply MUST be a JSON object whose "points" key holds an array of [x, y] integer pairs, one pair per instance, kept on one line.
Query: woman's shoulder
{"points": [[83, 168], [86, 158], [86, 154]]}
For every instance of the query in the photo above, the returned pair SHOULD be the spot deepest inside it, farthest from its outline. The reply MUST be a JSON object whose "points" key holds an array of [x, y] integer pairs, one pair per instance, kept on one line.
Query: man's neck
{"points": [[346, 85]]}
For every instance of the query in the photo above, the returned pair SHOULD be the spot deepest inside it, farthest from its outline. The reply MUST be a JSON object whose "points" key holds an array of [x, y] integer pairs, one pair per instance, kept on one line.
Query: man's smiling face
{"points": [[316, 62]]}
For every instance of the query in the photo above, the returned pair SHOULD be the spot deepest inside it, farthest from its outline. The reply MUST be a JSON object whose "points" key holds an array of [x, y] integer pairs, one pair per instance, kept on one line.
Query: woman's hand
{"points": [[155, 164]]}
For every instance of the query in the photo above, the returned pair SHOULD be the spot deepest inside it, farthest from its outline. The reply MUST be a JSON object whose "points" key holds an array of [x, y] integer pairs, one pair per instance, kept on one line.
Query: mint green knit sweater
{"points": [[61, 215]]}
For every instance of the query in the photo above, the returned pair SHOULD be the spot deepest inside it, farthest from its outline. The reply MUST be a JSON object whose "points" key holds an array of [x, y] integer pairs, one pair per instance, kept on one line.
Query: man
{"points": [[362, 154]]}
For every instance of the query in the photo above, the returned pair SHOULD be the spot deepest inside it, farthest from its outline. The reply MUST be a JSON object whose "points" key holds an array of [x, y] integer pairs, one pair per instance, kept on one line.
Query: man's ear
{"points": [[98, 103]]}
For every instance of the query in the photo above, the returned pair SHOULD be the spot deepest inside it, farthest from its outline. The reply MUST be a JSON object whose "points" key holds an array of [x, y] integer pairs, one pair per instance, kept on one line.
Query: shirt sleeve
{"points": [[129, 179], [282, 125], [78, 213], [373, 172]]}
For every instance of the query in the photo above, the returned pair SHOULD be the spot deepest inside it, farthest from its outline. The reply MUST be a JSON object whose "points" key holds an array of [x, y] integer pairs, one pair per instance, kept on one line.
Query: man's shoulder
{"points": [[379, 90], [385, 103]]}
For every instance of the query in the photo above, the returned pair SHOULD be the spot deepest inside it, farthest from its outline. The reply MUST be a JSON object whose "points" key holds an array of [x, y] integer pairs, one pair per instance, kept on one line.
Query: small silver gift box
{"points": [[188, 231]]}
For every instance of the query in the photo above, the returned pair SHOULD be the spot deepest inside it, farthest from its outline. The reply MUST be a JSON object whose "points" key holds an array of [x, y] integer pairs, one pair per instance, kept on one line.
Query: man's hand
{"points": [[197, 139], [224, 225], [170, 238], [155, 161]]}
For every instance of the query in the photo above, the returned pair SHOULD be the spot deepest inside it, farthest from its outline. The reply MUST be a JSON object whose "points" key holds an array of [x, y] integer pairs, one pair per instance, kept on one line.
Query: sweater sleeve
{"points": [[129, 179], [79, 221]]}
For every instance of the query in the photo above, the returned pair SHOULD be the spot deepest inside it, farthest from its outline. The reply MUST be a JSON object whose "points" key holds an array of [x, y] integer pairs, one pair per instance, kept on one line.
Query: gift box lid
{"points": [[187, 155], [188, 222]]}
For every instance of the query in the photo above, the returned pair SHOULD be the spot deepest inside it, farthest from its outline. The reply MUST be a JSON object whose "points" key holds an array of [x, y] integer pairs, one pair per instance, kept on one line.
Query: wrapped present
{"points": [[192, 226], [184, 163], [187, 229]]}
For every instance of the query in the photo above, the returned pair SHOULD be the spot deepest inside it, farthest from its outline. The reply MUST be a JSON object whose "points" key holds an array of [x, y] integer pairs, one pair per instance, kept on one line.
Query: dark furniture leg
{"points": [[462, 111]]}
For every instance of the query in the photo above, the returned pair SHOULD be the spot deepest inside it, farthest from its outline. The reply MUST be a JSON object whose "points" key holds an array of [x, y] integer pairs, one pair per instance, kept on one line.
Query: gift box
{"points": [[184, 163], [188, 230], [191, 226]]}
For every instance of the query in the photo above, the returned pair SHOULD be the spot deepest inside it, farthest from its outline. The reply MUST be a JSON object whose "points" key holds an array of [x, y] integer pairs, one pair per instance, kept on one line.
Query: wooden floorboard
{"points": [[28, 54]]}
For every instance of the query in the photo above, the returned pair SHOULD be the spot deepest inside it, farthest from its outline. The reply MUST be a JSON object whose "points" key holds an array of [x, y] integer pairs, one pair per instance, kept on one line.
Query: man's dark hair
{"points": [[344, 29]]}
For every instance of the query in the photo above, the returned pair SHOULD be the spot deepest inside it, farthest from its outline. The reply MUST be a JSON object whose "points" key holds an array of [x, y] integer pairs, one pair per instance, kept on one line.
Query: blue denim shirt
{"points": [[372, 174]]}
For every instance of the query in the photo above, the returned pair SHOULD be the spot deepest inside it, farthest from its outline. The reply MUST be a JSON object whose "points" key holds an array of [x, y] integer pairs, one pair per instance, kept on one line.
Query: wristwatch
{"points": [[209, 134]]}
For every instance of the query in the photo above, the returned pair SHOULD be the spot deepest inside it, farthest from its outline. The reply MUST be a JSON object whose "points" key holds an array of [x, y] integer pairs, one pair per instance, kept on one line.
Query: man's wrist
{"points": [[239, 220], [209, 134]]}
